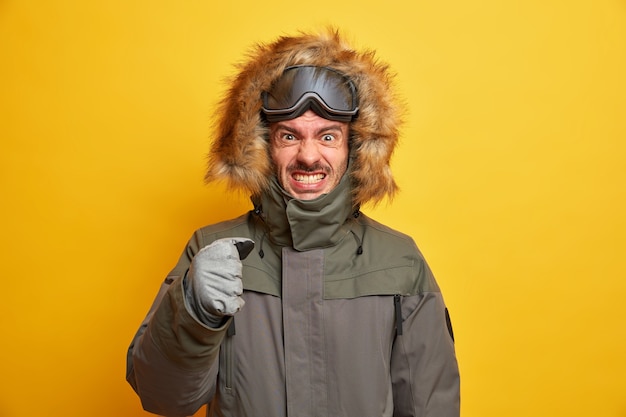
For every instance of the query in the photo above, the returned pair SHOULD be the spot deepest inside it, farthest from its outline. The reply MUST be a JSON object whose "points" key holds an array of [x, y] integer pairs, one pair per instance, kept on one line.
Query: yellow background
{"points": [[512, 169]]}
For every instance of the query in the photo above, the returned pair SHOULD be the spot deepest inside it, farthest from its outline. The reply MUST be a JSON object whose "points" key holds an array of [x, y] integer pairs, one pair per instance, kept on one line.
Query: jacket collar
{"points": [[306, 224]]}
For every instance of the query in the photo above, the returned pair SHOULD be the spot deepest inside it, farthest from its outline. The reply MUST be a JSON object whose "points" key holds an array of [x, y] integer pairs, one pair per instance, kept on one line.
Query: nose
{"points": [[308, 152]]}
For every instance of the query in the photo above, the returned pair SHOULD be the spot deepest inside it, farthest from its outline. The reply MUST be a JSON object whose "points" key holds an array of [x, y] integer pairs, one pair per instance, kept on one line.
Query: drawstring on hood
{"points": [[240, 150], [359, 241]]}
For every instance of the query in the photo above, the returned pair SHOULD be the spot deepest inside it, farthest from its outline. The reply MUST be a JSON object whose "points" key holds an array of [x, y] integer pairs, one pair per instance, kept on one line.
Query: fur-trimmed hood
{"points": [[240, 150]]}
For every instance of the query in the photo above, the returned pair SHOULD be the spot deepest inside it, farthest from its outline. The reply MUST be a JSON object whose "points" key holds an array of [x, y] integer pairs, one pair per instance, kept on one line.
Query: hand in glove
{"points": [[213, 288]]}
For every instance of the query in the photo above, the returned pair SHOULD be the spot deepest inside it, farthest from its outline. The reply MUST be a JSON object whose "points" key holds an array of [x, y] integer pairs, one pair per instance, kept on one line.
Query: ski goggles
{"points": [[324, 90]]}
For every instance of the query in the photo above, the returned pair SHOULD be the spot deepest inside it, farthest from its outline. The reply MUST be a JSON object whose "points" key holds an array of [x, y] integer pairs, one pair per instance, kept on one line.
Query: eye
{"points": [[328, 138], [289, 137]]}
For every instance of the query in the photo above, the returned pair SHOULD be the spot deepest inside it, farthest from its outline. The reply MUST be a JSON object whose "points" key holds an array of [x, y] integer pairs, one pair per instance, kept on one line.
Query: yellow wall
{"points": [[512, 170]]}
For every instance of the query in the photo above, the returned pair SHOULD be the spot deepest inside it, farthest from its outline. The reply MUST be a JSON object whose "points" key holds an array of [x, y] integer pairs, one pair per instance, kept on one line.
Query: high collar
{"points": [[306, 224]]}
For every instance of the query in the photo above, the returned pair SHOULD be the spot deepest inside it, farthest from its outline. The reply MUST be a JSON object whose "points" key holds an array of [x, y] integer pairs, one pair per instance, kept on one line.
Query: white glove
{"points": [[214, 287]]}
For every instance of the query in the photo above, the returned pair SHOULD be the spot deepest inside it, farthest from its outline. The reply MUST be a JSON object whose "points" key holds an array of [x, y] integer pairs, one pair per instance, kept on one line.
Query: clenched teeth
{"points": [[308, 179]]}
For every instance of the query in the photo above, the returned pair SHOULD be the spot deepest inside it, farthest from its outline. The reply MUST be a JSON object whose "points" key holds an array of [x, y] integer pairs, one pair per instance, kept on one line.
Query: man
{"points": [[331, 313]]}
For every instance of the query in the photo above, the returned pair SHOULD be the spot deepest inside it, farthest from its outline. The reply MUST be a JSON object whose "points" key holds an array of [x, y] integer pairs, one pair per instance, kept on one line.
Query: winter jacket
{"points": [[342, 318]]}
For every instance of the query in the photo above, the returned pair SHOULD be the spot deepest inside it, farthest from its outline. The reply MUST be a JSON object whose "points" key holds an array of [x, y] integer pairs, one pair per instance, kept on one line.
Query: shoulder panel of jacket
{"points": [[390, 263]]}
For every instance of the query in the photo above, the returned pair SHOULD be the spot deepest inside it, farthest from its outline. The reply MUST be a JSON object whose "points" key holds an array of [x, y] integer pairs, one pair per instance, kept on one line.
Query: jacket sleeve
{"points": [[171, 362], [424, 368]]}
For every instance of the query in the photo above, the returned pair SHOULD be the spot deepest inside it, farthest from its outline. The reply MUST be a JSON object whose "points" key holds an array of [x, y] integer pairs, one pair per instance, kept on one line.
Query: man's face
{"points": [[310, 154]]}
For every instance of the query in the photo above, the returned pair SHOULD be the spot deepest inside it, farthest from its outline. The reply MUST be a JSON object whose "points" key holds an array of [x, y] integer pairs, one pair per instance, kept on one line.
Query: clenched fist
{"points": [[213, 288]]}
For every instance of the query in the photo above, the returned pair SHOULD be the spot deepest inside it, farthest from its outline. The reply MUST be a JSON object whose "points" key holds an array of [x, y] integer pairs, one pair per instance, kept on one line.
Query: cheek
{"points": [[275, 155], [338, 159], [279, 158]]}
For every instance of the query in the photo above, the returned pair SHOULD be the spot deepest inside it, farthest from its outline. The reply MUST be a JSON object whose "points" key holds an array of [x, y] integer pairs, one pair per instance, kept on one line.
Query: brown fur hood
{"points": [[240, 151]]}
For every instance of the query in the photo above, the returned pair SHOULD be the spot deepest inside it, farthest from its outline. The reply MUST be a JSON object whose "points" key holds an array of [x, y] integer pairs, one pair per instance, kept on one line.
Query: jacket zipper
{"points": [[397, 303], [228, 356]]}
